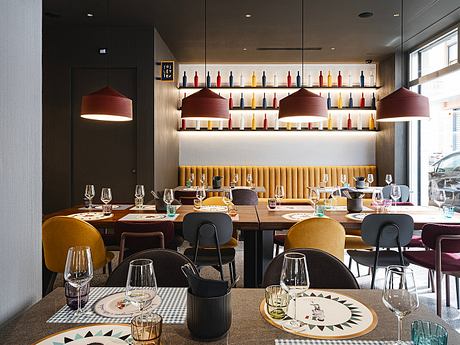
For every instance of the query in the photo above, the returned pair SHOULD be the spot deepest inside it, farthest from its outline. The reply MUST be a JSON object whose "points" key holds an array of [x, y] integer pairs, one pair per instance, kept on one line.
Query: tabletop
{"points": [[257, 189], [248, 327]]}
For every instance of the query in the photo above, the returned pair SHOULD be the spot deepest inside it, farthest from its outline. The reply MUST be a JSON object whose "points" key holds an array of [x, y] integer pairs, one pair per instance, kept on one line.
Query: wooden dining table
{"points": [[248, 326]]}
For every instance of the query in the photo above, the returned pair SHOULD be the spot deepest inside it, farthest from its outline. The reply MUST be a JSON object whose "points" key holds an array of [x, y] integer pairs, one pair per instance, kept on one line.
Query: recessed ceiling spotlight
{"points": [[248, 15], [244, 49], [332, 48], [89, 15], [396, 14], [365, 14]]}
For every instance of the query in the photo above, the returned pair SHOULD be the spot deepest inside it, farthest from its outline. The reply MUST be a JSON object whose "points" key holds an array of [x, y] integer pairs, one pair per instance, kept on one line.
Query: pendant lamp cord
{"points": [[302, 39], [205, 45], [402, 60]]}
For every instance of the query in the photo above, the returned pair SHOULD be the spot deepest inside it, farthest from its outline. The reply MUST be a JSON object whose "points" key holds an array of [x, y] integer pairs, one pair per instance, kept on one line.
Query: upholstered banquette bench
{"points": [[295, 179]]}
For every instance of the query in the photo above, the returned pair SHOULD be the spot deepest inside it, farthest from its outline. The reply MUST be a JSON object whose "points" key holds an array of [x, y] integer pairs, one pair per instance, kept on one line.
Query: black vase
{"points": [[209, 319], [354, 205]]}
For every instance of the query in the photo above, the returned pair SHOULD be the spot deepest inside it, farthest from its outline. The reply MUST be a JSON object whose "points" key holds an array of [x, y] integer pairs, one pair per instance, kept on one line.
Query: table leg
{"points": [[264, 252], [250, 259]]}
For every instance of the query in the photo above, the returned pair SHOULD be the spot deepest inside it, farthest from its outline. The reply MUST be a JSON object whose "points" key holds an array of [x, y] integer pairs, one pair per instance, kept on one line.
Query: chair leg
{"points": [[457, 292], [357, 268], [438, 292], [350, 261], [230, 270], [234, 271], [431, 274], [277, 248], [447, 291], [103, 270], [109, 267]]}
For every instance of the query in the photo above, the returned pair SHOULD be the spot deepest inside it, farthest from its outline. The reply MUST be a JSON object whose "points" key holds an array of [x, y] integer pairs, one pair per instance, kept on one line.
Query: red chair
{"points": [[443, 258]]}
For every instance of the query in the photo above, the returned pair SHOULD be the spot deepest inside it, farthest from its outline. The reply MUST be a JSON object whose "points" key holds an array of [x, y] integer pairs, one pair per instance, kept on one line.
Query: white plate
{"points": [[212, 208], [99, 207], [104, 334], [115, 305], [89, 216], [301, 216]]}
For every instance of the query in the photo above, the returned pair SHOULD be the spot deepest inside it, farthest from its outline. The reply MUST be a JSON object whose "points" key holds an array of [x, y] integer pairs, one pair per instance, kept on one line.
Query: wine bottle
{"points": [[221, 125], [253, 101], [265, 122], [309, 126], [242, 102], [264, 102], [264, 79], [275, 80], [309, 80], [328, 100], [195, 80], [373, 101], [184, 80], [320, 125], [329, 121], [359, 125], [339, 122], [289, 81], [184, 125], [288, 126], [299, 126], [350, 101], [275, 101], [230, 124], [230, 102], [197, 125], [208, 80], [349, 123], [371, 122], [339, 80], [298, 81], [277, 124], [361, 79], [253, 122], [230, 79], [350, 82], [253, 80], [219, 79], [339, 102], [209, 125], [362, 102], [241, 80], [320, 78], [242, 122], [329, 79], [371, 80]]}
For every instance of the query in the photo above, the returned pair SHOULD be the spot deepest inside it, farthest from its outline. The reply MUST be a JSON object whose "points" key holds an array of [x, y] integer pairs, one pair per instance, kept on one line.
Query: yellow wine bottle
{"points": [[253, 122], [329, 121], [329, 79], [253, 80], [339, 102], [209, 125], [253, 101], [371, 122]]}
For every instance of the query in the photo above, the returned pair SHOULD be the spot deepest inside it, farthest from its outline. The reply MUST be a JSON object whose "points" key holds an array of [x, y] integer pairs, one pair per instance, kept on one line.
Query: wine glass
{"points": [[235, 179], [139, 193], [295, 281], [377, 198], [370, 179], [279, 194], [106, 195], [325, 179], [168, 196], [192, 178], [395, 193], [201, 194], [313, 195], [203, 179], [78, 270], [335, 195], [343, 179], [388, 178], [400, 293], [227, 198], [89, 194], [439, 196], [141, 284], [249, 179]]}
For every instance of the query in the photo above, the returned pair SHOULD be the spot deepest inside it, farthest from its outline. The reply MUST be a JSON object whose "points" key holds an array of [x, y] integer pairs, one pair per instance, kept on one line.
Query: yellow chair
{"points": [[218, 201], [320, 233], [60, 233]]}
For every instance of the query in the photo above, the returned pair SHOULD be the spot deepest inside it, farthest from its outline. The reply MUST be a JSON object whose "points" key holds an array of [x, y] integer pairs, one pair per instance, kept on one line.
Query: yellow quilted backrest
{"points": [[295, 179]]}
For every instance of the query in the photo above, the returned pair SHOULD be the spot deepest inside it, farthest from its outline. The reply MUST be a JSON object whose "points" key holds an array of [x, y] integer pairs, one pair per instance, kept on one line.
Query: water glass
{"points": [[271, 203], [377, 199], [107, 209], [448, 211], [277, 301], [146, 329], [139, 202], [428, 333], [344, 180], [201, 193], [197, 203], [170, 210], [71, 295], [319, 210]]}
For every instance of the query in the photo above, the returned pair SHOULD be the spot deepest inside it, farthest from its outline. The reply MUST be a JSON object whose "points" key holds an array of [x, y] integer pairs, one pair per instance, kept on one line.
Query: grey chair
{"points": [[384, 231], [242, 196], [207, 232], [324, 270], [166, 263], [405, 193]]}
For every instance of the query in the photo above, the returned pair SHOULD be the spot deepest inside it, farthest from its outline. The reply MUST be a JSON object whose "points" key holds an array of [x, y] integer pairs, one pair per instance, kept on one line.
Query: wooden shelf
{"points": [[249, 109], [356, 87], [271, 129]]}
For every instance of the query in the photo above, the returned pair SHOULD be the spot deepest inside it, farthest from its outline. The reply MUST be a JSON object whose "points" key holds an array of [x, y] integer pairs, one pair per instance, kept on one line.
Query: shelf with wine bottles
{"points": [[272, 129], [272, 110], [281, 88]]}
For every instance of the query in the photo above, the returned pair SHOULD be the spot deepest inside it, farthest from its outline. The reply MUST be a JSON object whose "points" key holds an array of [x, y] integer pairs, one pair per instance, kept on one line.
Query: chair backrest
{"points": [[202, 227], [325, 270], [61, 232], [214, 201], [185, 197], [167, 265], [319, 233], [431, 232], [139, 244], [405, 192], [387, 230], [243, 196]]}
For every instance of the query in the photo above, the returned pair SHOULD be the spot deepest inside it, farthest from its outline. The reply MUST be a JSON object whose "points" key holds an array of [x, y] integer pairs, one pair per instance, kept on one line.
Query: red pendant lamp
{"points": [[302, 105], [205, 104], [107, 104], [403, 104]]}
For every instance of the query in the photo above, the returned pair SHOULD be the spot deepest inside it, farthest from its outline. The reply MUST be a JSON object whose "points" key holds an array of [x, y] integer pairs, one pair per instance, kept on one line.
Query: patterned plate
{"points": [[357, 216], [327, 315], [116, 306], [99, 207], [300, 216], [212, 208], [89, 216], [105, 334]]}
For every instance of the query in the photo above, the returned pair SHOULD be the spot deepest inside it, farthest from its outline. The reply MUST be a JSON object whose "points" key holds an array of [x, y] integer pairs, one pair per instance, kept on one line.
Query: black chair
{"points": [[384, 231], [243, 196], [405, 193], [207, 232], [167, 265], [325, 270]]}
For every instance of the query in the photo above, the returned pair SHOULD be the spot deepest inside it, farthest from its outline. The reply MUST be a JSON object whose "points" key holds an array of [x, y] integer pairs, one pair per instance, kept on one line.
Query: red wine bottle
{"points": [[349, 124], [275, 102], [320, 78], [230, 102], [195, 80], [362, 102], [339, 80], [230, 122], [265, 122], [184, 126], [219, 79], [289, 79], [309, 125]]}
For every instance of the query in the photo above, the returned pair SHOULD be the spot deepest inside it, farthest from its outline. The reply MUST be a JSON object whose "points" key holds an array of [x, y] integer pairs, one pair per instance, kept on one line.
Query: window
{"points": [[452, 54]]}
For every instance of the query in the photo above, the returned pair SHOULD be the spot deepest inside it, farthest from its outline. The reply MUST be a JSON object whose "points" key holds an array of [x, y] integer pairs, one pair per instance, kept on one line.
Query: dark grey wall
{"points": [[166, 117], [20, 154], [67, 49]]}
